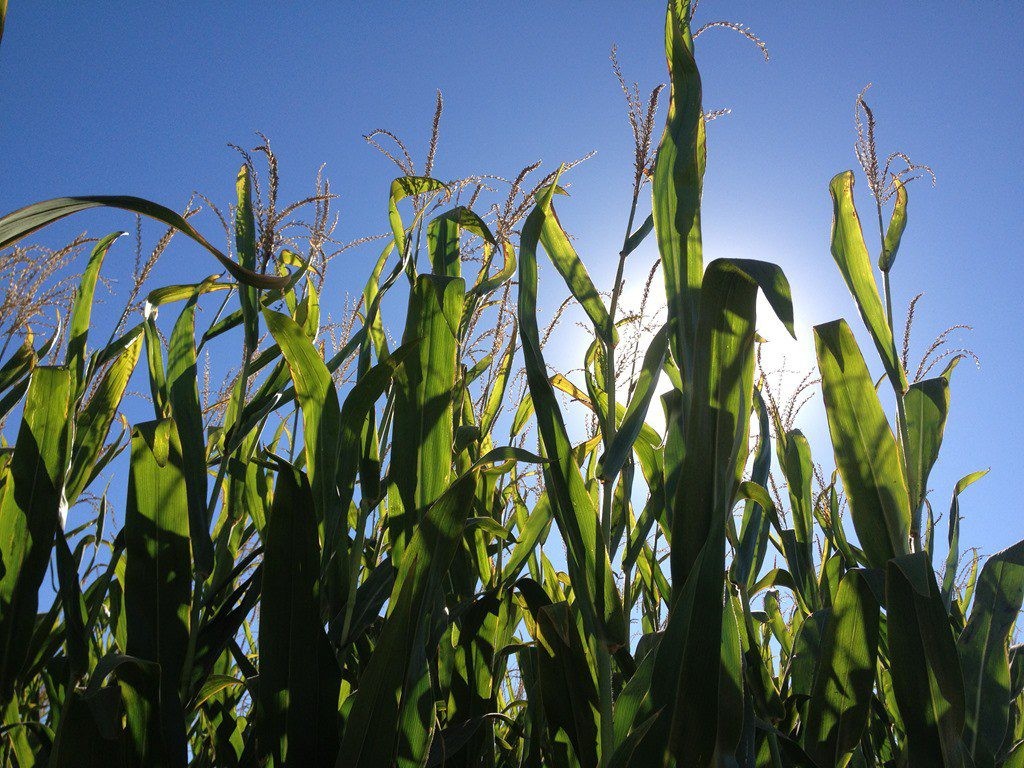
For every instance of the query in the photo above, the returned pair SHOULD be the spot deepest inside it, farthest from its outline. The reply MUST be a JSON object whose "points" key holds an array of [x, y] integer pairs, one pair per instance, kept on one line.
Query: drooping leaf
{"points": [[569, 265], [23, 222], [894, 232], [443, 234], [851, 255], [401, 188], [714, 450], [88, 735]]}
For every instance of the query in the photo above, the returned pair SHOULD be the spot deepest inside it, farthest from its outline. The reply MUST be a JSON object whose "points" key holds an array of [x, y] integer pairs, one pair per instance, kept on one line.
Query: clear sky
{"points": [[142, 98]]}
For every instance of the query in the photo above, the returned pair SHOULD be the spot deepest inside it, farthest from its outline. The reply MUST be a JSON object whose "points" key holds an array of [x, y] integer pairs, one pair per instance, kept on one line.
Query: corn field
{"points": [[394, 552]]}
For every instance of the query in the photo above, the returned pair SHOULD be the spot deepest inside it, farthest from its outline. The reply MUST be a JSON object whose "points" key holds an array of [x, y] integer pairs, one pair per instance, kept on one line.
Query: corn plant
{"points": [[415, 566]]}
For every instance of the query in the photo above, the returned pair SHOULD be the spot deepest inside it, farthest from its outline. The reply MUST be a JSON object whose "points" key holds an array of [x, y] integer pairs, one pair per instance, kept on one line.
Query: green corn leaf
{"points": [[851, 255], [371, 595], [115, 348], [77, 642], [647, 435], [753, 539], [864, 446], [214, 685], [357, 407], [926, 404], [926, 676], [806, 650], [984, 654], [678, 183], [183, 395], [245, 248], [844, 677], [897, 224], [13, 397], [221, 626], [730, 688], [568, 688], [422, 436], [636, 411], [760, 684], [535, 531], [391, 719], [953, 556], [637, 237], [443, 235], [81, 311], [158, 572], [226, 323], [572, 506], [321, 425], [168, 294], [485, 284], [297, 689], [496, 395], [23, 222], [307, 313], [801, 566], [19, 365], [401, 188], [30, 513], [634, 714], [155, 366], [88, 735], [716, 427], [139, 682], [715, 447], [504, 454], [562, 254], [94, 419], [373, 294], [798, 470]]}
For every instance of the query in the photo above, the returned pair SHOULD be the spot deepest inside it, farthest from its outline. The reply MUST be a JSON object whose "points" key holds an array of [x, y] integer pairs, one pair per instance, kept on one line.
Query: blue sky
{"points": [[142, 98]]}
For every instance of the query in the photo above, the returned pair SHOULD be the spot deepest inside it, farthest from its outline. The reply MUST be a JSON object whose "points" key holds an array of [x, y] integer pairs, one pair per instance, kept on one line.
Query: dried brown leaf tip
{"points": [[881, 177]]}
